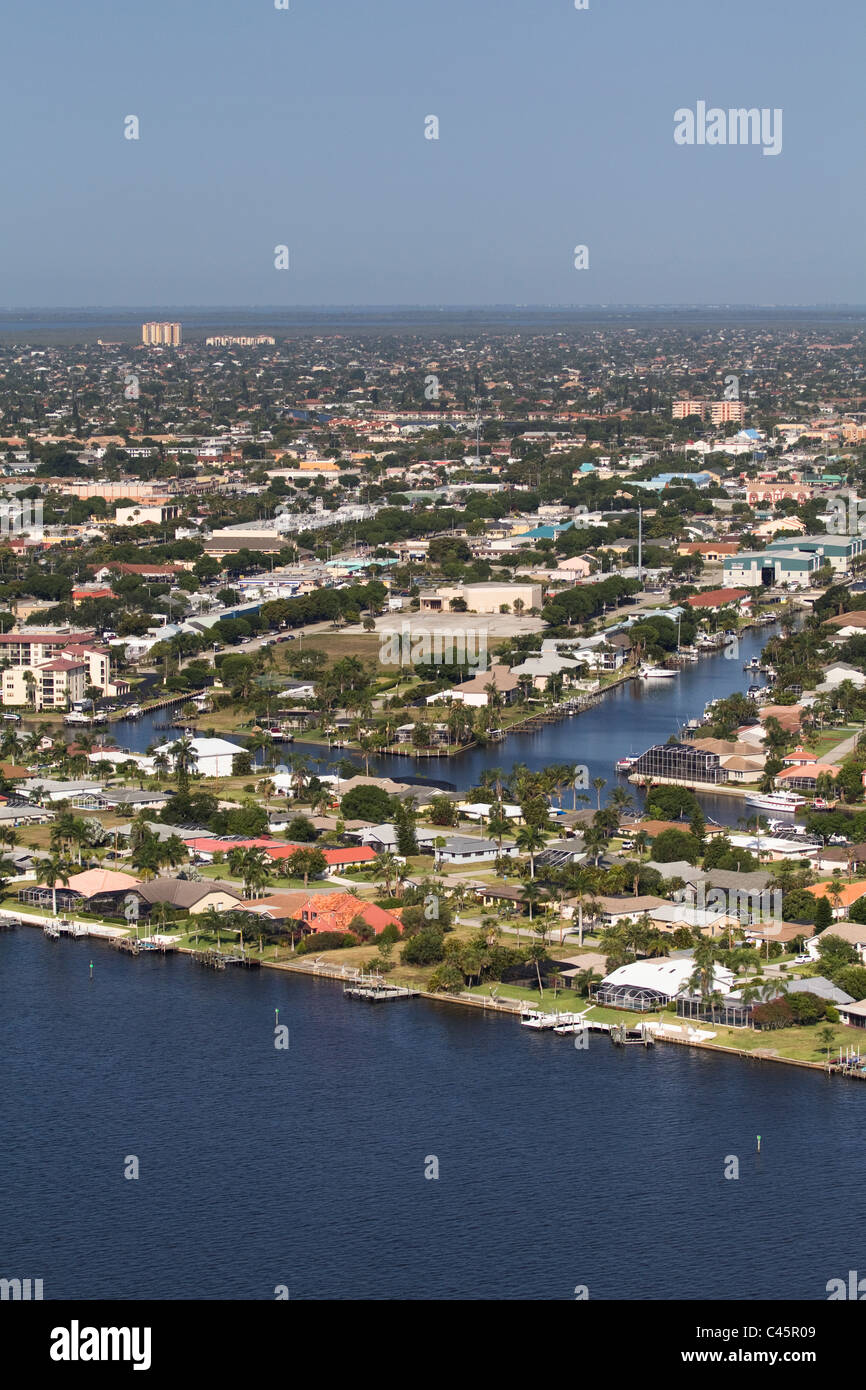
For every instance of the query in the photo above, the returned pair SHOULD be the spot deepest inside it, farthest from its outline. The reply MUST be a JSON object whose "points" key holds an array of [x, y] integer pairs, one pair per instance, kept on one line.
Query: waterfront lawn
{"points": [[799, 1044], [567, 1000]]}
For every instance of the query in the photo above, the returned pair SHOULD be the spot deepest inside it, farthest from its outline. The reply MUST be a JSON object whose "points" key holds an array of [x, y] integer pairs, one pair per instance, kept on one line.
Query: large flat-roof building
{"points": [[752, 569], [837, 551]]}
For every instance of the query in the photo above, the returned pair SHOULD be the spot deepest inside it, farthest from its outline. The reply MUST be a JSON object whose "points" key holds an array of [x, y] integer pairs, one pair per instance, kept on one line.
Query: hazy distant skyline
{"points": [[305, 128]]}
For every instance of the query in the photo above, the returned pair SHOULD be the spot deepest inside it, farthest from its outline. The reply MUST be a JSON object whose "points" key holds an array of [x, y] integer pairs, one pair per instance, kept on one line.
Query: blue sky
{"points": [[305, 127]]}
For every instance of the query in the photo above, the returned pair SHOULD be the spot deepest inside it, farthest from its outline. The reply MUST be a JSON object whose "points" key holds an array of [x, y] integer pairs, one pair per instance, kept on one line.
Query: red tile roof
{"points": [[335, 911], [716, 598]]}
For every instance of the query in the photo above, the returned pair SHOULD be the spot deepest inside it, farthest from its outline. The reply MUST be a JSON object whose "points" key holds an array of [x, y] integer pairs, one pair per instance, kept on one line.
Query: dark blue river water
{"points": [[305, 1167]]}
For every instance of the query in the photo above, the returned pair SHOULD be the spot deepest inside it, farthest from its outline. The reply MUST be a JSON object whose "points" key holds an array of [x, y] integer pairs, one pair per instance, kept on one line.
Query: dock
{"points": [[136, 946], [61, 926], [218, 960], [375, 990], [623, 1036]]}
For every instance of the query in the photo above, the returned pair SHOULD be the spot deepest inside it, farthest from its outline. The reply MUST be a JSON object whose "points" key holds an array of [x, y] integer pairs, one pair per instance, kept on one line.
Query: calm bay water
{"points": [[260, 1167]]}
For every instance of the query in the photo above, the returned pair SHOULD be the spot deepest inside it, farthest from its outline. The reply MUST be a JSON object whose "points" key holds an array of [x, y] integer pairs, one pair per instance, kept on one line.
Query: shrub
{"points": [[326, 941], [425, 948], [777, 1014]]}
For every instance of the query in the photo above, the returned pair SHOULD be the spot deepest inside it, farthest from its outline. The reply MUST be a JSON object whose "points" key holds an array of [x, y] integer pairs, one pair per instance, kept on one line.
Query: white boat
{"points": [[651, 673], [627, 763], [132, 712], [783, 802]]}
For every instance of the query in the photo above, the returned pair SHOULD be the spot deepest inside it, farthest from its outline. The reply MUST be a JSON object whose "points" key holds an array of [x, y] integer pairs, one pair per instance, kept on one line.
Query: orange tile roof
{"points": [[848, 892]]}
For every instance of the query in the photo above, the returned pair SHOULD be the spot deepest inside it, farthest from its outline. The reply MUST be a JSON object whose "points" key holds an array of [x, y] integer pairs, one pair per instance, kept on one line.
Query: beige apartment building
{"points": [[161, 334], [720, 412], [52, 670], [57, 684]]}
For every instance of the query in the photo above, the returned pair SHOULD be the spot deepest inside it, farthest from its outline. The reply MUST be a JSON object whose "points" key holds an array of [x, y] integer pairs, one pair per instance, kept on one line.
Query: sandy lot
{"points": [[496, 625]]}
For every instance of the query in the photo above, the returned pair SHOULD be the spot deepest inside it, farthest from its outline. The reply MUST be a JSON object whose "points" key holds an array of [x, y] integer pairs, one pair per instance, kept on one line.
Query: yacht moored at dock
{"points": [[781, 802]]}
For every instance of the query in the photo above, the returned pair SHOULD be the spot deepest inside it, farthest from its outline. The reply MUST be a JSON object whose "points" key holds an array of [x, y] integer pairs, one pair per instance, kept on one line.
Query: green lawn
{"points": [[829, 738]]}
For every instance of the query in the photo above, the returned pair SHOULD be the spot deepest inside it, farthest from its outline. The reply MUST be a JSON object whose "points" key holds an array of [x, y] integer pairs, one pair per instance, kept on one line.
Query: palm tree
{"points": [[57, 870], [184, 757], [702, 978], [641, 843], [256, 871], [173, 851], [530, 893], [146, 858], [497, 825], [387, 865], [537, 953], [621, 799], [161, 762], [530, 839], [599, 784]]}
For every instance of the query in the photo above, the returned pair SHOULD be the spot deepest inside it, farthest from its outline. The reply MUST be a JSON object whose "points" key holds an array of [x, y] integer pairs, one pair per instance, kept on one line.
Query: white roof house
{"points": [[839, 671], [481, 810], [213, 756], [648, 983]]}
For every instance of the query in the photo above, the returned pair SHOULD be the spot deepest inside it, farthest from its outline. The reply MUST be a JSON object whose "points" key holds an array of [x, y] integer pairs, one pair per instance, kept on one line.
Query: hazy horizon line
{"points": [[368, 307]]}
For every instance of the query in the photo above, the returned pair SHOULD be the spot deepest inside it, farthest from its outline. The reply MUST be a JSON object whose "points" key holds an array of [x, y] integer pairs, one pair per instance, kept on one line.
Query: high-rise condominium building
{"points": [[161, 334]]}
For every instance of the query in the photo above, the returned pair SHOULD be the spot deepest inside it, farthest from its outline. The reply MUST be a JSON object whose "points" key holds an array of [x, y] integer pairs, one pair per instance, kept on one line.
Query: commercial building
{"points": [[138, 516], [839, 552], [483, 598], [723, 411], [754, 568]]}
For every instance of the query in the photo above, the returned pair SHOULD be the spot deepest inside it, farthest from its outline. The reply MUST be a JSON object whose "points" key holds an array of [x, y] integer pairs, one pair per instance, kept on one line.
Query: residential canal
{"points": [[627, 720]]}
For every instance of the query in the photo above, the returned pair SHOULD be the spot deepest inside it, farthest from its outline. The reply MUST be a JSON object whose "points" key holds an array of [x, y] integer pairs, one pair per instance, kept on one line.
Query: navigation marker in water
{"points": [[91, 970], [759, 1143]]}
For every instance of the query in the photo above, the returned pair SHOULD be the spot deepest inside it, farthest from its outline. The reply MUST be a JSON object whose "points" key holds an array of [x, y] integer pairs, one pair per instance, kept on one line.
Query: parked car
{"points": [[802, 960]]}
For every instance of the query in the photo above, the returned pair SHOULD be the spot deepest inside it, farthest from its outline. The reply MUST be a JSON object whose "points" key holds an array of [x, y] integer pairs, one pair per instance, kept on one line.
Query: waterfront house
{"points": [[101, 891], [335, 912], [188, 896], [213, 757], [644, 985], [806, 778], [854, 1015], [475, 692], [678, 762]]}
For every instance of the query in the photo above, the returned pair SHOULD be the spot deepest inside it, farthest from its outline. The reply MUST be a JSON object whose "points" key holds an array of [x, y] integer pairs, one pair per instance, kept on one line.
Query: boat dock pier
{"points": [[61, 926], [375, 990], [622, 1036]]}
